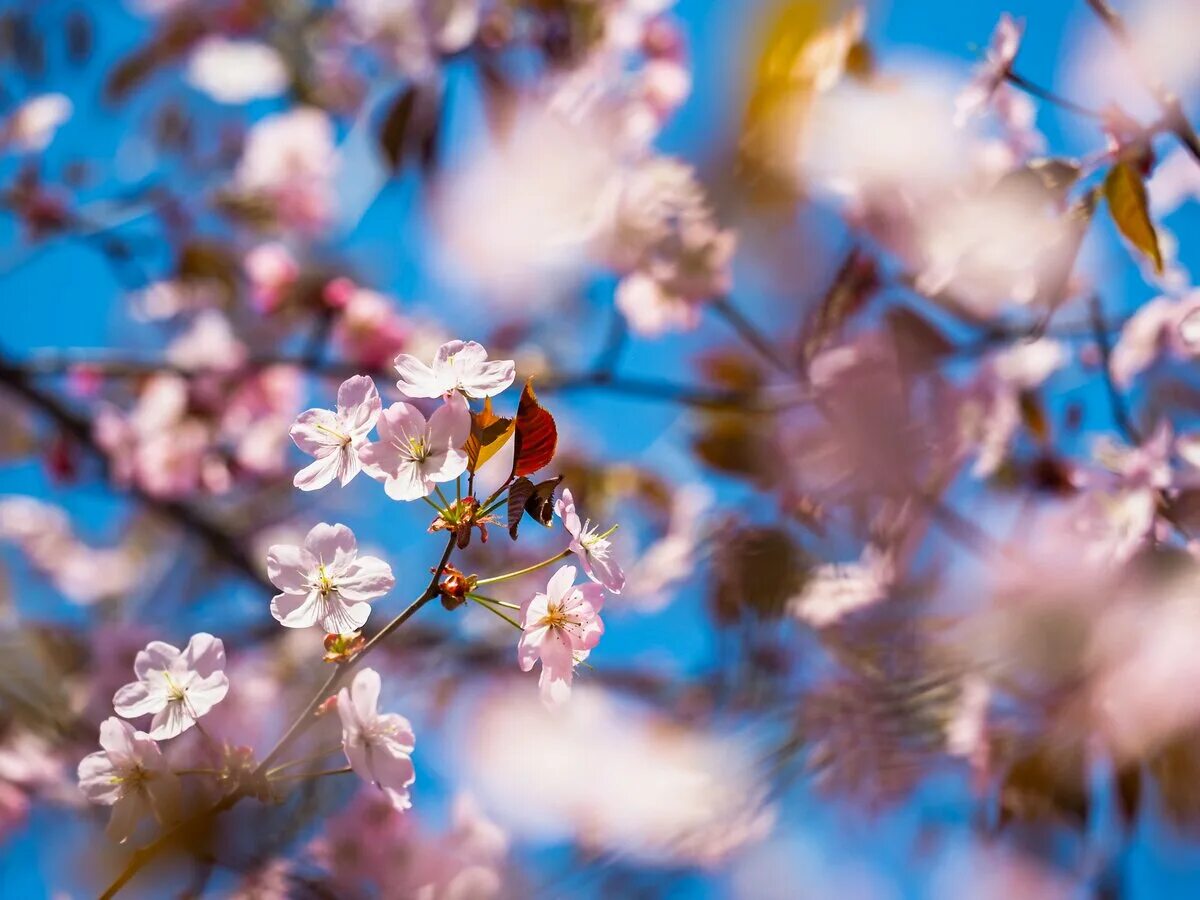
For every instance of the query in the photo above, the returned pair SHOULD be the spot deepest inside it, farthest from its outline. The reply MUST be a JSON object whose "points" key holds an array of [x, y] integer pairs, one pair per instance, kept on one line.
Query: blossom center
{"points": [[175, 692], [324, 583]]}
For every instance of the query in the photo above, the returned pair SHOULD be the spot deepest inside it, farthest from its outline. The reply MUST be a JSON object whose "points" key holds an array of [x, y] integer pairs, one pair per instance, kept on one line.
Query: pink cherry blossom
{"points": [[131, 775], [412, 454], [561, 627], [236, 72], [32, 126], [458, 366], [326, 582], [990, 76], [176, 686], [337, 438], [378, 745], [272, 270], [835, 591], [592, 548]]}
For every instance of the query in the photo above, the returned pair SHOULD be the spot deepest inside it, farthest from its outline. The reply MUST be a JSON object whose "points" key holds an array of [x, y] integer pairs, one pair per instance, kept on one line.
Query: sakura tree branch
{"points": [[1036, 90], [1116, 400], [750, 333], [1166, 98]]}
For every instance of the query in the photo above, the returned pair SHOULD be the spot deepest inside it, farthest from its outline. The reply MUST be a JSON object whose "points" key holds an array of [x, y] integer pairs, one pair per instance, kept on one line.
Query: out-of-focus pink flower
{"points": [[458, 366], [561, 626], [176, 686], [209, 344], [370, 330], [131, 775], [337, 438], [992, 72], [290, 160], [83, 573], [991, 413], [651, 790], [272, 270], [1174, 181], [171, 297], [413, 33], [378, 745], [236, 72], [594, 551], [413, 455], [1162, 325], [675, 556], [32, 126], [835, 591], [326, 582]]}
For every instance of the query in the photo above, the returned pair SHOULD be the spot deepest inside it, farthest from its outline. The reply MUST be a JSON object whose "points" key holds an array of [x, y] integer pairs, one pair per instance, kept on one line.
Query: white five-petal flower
{"points": [[561, 627], [412, 455], [457, 366], [336, 437], [326, 582], [594, 550], [130, 774], [378, 745], [176, 686]]}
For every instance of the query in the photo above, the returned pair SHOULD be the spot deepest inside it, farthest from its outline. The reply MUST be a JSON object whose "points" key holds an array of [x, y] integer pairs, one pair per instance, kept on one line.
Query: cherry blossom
{"points": [[378, 745], [835, 591], [590, 546], [176, 686], [457, 366], [32, 126], [289, 160], [990, 76], [337, 438], [413, 455], [130, 774], [326, 582], [561, 626], [236, 71]]}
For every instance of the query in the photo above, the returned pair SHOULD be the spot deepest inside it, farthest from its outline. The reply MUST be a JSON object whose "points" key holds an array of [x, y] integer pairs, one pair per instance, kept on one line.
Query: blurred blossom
{"points": [[1163, 325], [413, 32], [991, 74], [169, 298], [1099, 71], [236, 71], [208, 343], [32, 126], [289, 161], [272, 271], [372, 846], [516, 217], [866, 141], [1175, 181], [987, 872], [1009, 243], [82, 573], [676, 555], [838, 590], [991, 411], [661, 230], [615, 776], [371, 331]]}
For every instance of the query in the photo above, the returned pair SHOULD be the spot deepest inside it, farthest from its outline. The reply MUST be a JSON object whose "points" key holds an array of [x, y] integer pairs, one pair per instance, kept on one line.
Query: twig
{"points": [[749, 332], [1036, 90], [1116, 400]]}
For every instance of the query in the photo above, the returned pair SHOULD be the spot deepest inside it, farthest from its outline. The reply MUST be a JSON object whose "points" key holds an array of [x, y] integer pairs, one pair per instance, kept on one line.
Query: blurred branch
{"points": [[1036, 90], [1116, 400], [15, 378], [1166, 98], [750, 333]]}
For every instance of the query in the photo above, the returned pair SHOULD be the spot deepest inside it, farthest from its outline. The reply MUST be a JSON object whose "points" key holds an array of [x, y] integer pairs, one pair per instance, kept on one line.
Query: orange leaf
{"points": [[536, 434], [489, 432]]}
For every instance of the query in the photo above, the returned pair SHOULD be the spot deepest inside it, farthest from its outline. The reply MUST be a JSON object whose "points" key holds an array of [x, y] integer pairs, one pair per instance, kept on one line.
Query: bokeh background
{"points": [[942, 741]]}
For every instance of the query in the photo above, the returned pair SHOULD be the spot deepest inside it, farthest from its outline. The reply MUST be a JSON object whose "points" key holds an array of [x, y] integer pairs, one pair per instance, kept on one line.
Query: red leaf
{"points": [[536, 434]]}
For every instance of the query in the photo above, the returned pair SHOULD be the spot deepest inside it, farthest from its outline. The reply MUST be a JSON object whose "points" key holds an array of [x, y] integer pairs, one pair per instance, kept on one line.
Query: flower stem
{"points": [[545, 562], [341, 771], [441, 496], [496, 602], [513, 622], [302, 760], [440, 510]]}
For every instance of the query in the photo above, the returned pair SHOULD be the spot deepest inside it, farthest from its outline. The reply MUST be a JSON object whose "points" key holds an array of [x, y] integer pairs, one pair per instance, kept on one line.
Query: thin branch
{"points": [[1036, 90], [1116, 400], [749, 332]]}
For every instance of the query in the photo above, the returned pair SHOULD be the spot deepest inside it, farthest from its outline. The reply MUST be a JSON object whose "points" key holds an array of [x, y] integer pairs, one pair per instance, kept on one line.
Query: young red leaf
{"points": [[536, 434]]}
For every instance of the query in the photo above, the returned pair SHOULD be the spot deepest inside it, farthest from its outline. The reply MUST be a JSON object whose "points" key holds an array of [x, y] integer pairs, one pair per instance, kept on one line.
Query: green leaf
{"points": [[1126, 195]]}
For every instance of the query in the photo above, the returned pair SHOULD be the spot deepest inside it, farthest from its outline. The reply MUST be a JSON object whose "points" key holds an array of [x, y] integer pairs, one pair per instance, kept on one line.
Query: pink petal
{"points": [[364, 691], [311, 439], [326, 541], [560, 583], [366, 578], [204, 654], [450, 424], [288, 567], [416, 378], [158, 656], [320, 472]]}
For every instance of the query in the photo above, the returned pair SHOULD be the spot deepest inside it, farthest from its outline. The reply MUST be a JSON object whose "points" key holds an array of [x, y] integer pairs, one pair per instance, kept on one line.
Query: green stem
{"points": [[439, 509], [493, 600], [545, 562], [303, 760], [441, 496], [342, 771], [495, 612]]}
